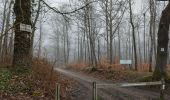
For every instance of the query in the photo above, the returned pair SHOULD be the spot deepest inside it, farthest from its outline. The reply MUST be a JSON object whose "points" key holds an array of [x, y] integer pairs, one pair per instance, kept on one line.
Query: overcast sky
{"points": [[56, 3]]}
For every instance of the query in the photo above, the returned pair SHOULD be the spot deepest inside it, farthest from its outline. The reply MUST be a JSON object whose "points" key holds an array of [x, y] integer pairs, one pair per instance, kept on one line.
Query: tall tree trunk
{"points": [[98, 50], [91, 37], [58, 45], [40, 39], [107, 29], [34, 28], [139, 46], [67, 42], [22, 42], [11, 41], [111, 33], [144, 40], [154, 31], [162, 48], [119, 38], [85, 49], [5, 41], [133, 33], [151, 48], [151, 33], [64, 34], [2, 30], [130, 43]]}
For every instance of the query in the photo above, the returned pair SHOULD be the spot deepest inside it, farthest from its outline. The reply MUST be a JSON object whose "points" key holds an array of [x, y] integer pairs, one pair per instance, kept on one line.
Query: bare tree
{"points": [[113, 19], [133, 33], [3, 27], [152, 14], [40, 36]]}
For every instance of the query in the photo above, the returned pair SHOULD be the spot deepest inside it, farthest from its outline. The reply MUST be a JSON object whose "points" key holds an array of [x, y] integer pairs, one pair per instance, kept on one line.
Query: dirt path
{"points": [[85, 89]]}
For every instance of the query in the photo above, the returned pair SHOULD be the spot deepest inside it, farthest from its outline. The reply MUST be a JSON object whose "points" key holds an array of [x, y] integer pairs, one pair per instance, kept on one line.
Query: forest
{"points": [[84, 49]]}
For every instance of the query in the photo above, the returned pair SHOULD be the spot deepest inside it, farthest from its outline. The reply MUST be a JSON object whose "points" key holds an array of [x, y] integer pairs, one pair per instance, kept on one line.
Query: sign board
{"points": [[162, 49], [126, 62], [25, 27]]}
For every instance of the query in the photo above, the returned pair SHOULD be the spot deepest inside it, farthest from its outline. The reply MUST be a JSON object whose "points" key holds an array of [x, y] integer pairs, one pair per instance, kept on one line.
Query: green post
{"points": [[162, 89], [57, 95], [94, 91]]}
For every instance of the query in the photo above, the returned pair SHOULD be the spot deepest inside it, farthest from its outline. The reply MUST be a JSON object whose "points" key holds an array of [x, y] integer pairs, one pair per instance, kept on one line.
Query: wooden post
{"points": [[57, 95], [162, 89], [94, 91]]}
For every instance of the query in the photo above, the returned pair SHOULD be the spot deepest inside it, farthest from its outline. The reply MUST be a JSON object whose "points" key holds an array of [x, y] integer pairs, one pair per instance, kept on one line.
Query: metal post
{"points": [[94, 91], [57, 95], [162, 89]]}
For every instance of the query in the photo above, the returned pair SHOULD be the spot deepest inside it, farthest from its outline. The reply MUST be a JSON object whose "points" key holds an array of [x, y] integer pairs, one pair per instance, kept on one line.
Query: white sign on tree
{"points": [[25, 27]]}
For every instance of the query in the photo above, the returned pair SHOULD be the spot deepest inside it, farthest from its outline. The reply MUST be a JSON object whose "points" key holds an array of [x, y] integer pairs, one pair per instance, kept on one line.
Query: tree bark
{"points": [[22, 42], [2, 30], [133, 34], [5, 50], [40, 39], [119, 38], [144, 39], [151, 34], [139, 46], [162, 48], [34, 28]]}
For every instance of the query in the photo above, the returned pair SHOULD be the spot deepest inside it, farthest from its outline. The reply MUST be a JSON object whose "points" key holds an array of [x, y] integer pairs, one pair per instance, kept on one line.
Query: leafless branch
{"points": [[65, 13]]}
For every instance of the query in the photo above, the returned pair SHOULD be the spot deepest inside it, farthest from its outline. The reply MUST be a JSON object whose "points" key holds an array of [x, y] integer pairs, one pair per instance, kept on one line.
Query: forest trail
{"points": [[114, 93]]}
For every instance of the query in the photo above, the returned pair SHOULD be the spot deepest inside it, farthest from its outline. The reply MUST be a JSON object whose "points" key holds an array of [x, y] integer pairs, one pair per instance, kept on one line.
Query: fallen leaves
{"points": [[39, 84]]}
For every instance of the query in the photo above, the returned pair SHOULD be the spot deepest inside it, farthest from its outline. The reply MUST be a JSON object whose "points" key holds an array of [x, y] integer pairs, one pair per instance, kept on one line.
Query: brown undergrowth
{"points": [[104, 64], [115, 72], [39, 84]]}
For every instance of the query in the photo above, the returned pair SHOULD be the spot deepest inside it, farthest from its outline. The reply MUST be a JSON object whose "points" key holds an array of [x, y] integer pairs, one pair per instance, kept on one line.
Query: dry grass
{"points": [[144, 67], [78, 66], [44, 72], [115, 72], [104, 64]]}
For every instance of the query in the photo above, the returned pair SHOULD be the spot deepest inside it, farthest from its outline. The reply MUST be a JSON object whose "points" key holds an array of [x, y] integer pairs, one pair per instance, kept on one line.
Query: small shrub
{"points": [[5, 76]]}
